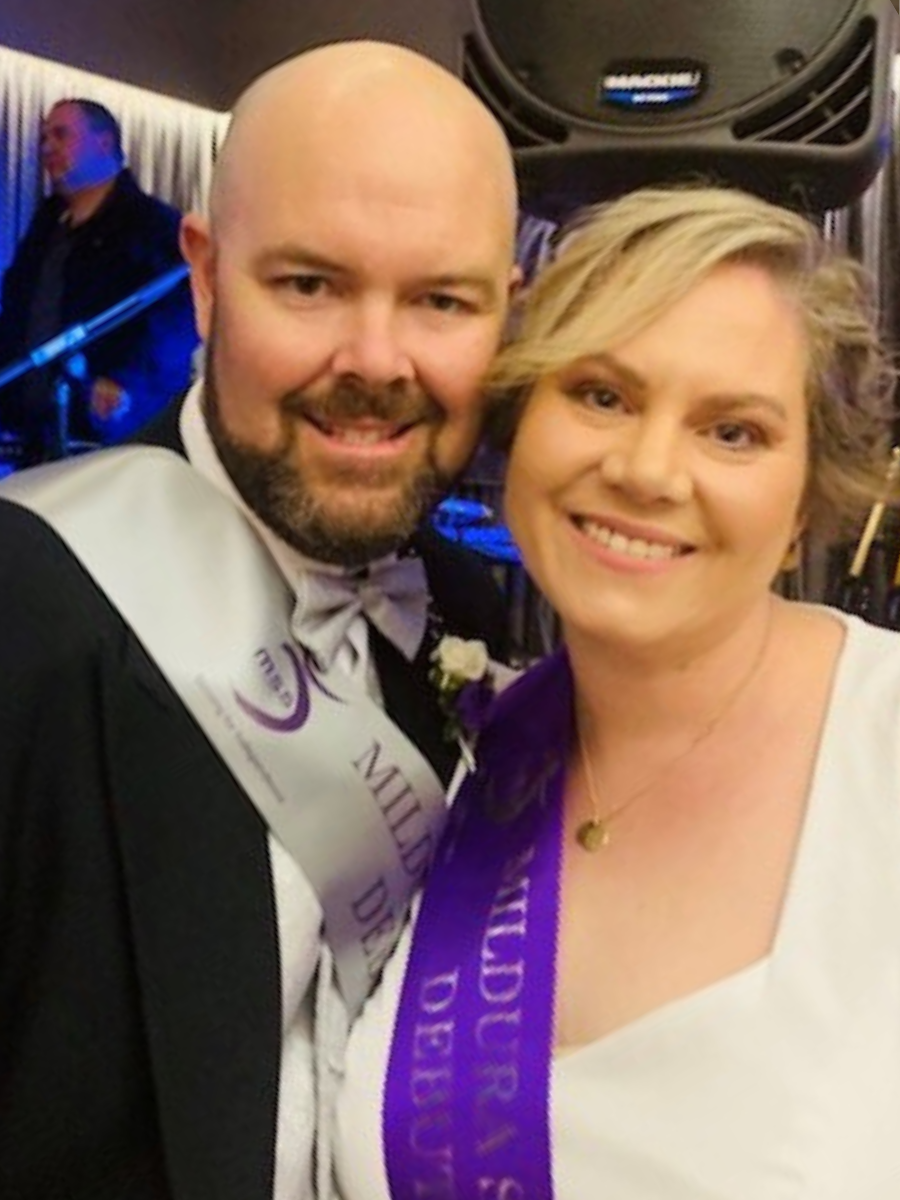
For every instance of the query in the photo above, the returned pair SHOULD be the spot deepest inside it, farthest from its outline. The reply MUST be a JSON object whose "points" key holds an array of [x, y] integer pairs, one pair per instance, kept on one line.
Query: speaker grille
{"points": [[524, 125], [831, 109]]}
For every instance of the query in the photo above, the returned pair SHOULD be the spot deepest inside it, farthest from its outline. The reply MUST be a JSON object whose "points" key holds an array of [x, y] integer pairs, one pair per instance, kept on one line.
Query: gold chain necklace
{"points": [[594, 834]]}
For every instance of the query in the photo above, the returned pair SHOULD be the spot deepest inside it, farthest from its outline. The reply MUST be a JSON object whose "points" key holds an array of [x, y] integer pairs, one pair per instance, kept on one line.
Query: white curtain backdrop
{"points": [[170, 145]]}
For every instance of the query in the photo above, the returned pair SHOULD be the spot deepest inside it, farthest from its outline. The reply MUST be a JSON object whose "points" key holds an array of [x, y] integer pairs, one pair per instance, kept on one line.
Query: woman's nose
{"points": [[649, 462]]}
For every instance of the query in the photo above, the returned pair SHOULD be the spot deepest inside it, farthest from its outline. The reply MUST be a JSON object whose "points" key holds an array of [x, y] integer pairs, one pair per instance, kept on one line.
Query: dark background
{"points": [[206, 51]]}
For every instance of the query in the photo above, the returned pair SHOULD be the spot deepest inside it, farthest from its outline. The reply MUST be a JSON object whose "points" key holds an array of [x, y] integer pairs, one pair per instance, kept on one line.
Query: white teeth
{"points": [[358, 437], [634, 547]]}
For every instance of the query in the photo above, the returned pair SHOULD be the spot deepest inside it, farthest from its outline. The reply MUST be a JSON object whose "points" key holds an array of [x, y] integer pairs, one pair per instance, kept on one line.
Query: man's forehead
{"points": [[63, 116], [432, 231], [388, 226], [351, 181]]}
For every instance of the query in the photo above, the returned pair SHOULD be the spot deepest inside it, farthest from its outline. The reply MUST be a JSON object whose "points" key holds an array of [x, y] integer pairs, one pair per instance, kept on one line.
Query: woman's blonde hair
{"points": [[621, 265]]}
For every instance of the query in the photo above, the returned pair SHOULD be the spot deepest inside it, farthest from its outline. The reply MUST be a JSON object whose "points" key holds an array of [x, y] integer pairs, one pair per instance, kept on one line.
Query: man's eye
{"points": [[307, 285], [446, 302]]}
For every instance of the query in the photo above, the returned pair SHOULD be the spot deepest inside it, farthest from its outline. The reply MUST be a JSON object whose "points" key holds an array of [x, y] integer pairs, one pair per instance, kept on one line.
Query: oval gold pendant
{"points": [[592, 836]]}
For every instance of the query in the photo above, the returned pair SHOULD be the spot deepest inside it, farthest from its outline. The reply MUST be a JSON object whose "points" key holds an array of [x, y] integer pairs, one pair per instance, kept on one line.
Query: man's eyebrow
{"points": [[290, 256], [483, 285]]}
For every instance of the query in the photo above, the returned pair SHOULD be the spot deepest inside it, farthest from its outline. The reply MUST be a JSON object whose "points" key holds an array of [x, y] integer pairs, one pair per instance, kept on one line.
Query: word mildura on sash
{"points": [[501, 978], [411, 829]]}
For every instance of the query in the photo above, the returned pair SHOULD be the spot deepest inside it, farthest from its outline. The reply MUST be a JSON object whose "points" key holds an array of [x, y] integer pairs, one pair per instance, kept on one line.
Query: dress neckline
{"points": [[741, 986]]}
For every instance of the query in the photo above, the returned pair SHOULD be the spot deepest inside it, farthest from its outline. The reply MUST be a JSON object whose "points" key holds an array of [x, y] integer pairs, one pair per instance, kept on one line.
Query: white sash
{"points": [[341, 787]]}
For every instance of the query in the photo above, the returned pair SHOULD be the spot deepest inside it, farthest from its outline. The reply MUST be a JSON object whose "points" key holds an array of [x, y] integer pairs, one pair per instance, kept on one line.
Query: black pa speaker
{"points": [[784, 98]]}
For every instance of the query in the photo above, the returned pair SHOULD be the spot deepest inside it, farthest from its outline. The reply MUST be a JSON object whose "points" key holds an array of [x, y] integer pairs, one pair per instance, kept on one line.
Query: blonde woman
{"points": [[658, 957]]}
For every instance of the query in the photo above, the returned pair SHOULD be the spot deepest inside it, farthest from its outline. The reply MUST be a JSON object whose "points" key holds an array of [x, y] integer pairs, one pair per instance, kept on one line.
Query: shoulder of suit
{"points": [[45, 591], [129, 198]]}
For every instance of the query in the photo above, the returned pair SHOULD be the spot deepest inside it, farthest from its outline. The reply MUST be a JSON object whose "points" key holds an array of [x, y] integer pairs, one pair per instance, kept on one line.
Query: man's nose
{"points": [[371, 344]]}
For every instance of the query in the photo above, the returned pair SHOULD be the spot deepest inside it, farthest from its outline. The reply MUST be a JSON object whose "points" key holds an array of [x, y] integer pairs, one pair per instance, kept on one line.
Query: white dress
{"points": [[781, 1082]]}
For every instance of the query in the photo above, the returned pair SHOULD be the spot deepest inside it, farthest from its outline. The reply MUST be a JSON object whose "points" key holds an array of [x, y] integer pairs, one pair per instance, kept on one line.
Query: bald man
{"points": [[223, 763]]}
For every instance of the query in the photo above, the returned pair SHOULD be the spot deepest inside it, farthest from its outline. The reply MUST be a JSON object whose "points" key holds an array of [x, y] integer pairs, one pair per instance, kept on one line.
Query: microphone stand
{"points": [[65, 348]]}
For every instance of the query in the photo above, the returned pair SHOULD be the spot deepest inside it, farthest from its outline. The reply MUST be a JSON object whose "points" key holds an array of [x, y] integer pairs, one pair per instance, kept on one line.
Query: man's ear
{"points": [[196, 242], [108, 142], [515, 297], [516, 282]]}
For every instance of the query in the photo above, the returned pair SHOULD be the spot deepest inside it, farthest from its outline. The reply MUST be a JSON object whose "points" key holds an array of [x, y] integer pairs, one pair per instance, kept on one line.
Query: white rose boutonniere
{"points": [[466, 685], [460, 661]]}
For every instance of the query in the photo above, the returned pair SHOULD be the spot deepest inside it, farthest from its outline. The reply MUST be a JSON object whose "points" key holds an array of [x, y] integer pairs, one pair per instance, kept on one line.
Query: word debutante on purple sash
{"points": [[466, 1103]]}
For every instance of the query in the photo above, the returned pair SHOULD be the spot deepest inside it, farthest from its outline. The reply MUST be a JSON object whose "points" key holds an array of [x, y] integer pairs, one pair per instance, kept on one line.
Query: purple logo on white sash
{"points": [[288, 688]]}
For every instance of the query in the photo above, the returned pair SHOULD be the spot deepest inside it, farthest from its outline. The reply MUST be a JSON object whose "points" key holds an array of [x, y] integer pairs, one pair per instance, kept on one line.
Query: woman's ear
{"points": [[794, 553]]}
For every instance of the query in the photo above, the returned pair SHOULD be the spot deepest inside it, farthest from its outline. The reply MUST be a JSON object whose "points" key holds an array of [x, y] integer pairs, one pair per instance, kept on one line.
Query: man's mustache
{"points": [[399, 405]]}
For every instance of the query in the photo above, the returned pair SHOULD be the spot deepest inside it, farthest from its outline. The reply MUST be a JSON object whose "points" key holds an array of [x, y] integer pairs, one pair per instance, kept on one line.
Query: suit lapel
{"points": [[411, 702], [202, 910], [410, 697]]}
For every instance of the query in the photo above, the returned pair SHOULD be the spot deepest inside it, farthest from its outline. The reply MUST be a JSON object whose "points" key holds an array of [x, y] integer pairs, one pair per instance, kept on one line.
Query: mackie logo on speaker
{"points": [[652, 84]]}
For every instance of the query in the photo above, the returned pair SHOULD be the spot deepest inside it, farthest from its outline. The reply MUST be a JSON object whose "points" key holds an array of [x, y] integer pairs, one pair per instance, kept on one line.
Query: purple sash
{"points": [[466, 1103]]}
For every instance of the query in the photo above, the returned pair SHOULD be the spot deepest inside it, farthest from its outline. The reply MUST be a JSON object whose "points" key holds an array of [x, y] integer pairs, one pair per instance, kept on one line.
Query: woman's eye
{"points": [[598, 395], [738, 435]]}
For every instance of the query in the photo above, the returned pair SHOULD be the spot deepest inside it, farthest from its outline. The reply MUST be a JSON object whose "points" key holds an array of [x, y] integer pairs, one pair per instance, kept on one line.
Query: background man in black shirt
{"points": [[96, 239]]}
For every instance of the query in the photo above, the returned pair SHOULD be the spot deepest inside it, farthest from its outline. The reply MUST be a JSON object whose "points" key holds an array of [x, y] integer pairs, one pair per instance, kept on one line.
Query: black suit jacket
{"points": [[139, 972]]}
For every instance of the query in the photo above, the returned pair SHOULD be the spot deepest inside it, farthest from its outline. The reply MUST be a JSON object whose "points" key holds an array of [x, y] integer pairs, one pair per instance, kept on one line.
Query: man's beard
{"points": [[272, 484]]}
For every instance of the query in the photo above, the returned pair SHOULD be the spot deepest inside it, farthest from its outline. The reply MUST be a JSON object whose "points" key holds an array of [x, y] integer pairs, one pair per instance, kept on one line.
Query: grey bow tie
{"points": [[393, 595]]}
